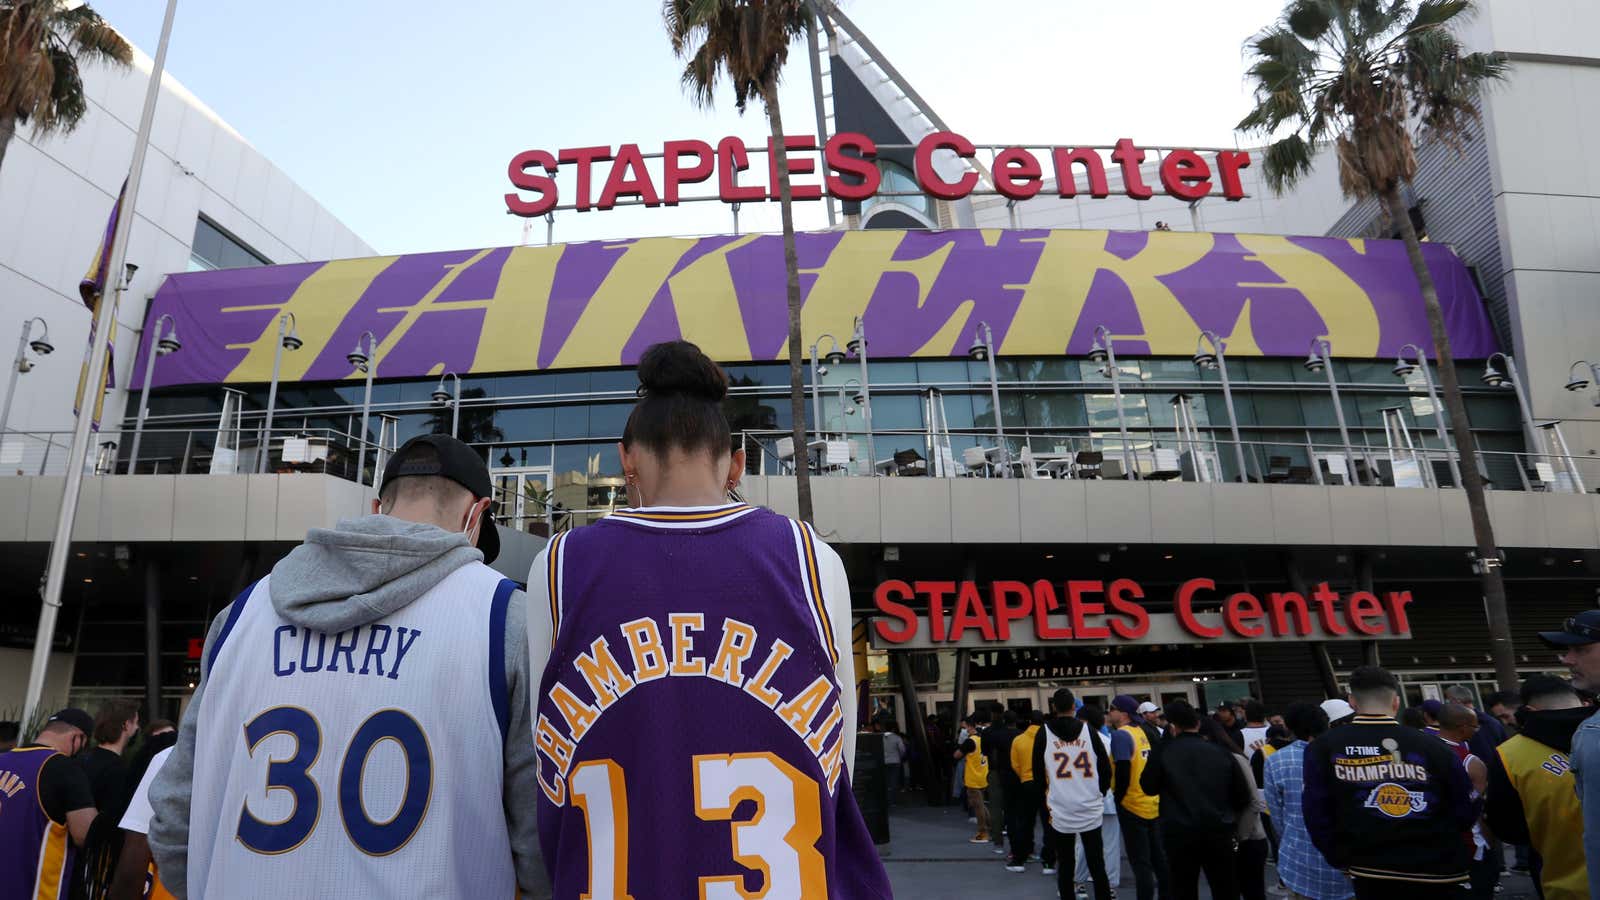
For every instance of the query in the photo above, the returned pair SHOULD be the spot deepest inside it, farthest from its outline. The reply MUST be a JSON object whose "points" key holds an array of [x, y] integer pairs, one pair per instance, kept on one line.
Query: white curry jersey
{"points": [[1072, 771], [366, 763]]}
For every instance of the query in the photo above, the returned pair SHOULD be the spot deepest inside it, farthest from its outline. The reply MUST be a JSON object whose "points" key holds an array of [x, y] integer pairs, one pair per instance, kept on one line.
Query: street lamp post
{"points": [[22, 365], [1321, 360], [1403, 368], [983, 349], [1104, 352], [1493, 377], [1218, 360], [162, 345], [287, 340], [442, 396], [858, 346], [364, 358], [833, 357]]}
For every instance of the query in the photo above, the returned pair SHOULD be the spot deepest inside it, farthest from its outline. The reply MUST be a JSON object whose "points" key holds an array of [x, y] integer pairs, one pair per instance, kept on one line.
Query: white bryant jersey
{"points": [[365, 763], [1072, 771]]}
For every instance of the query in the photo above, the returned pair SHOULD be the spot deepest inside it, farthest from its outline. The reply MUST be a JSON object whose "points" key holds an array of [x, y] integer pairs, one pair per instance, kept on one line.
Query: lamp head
{"points": [[855, 346], [834, 357], [1402, 368], [291, 341], [1577, 384], [1204, 360], [1492, 376], [42, 346], [169, 344], [1097, 352], [440, 395], [1314, 362], [979, 351], [358, 358], [859, 398]]}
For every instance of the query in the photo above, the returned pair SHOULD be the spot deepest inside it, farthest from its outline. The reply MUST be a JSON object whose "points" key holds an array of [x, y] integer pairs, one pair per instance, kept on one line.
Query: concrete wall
{"points": [[56, 195], [270, 508], [978, 510], [14, 666], [1544, 136]]}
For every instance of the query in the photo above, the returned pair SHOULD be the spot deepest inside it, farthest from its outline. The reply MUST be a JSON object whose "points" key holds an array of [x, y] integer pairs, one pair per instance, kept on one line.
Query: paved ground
{"points": [[928, 857]]}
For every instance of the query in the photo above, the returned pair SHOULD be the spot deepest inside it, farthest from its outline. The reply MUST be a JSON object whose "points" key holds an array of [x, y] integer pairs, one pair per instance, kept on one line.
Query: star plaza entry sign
{"points": [[851, 173]]}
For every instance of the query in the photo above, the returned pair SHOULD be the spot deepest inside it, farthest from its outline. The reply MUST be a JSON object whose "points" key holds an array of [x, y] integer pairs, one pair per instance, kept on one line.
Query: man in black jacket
{"points": [[1390, 805], [1003, 782], [1202, 791]]}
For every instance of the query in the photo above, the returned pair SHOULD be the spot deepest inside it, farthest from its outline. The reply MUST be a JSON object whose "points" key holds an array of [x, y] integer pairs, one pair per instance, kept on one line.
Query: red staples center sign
{"points": [[851, 172], [1089, 613]]}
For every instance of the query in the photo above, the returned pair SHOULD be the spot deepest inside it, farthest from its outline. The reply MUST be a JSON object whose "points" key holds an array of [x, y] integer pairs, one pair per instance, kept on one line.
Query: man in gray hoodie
{"points": [[376, 680]]}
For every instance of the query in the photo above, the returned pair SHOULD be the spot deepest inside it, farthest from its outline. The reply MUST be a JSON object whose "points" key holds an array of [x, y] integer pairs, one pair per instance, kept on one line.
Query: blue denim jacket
{"points": [[1586, 767]]}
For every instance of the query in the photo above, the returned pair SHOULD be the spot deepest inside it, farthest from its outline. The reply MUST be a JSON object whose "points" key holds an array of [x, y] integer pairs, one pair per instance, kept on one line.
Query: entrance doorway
{"points": [[522, 498]]}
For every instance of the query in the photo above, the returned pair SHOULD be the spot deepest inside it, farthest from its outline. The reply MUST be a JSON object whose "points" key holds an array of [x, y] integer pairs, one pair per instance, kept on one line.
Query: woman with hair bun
{"points": [[695, 716]]}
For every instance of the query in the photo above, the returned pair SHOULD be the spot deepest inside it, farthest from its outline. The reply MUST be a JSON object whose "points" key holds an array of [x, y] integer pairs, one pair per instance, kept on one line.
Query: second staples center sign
{"points": [[1045, 613]]}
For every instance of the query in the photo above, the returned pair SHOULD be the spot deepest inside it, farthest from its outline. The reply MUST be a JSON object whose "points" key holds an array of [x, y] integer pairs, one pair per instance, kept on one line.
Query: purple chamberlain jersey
{"points": [[35, 854], [689, 727]]}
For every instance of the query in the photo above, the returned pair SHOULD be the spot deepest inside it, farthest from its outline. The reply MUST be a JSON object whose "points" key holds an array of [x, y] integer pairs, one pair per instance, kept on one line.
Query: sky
{"points": [[400, 117]]}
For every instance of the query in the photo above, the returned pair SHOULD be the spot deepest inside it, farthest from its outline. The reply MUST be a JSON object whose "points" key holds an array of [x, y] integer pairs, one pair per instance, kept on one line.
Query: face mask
{"points": [[468, 529]]}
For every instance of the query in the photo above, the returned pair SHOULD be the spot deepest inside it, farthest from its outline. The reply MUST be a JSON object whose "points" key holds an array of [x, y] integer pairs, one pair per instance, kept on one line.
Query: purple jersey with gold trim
{"points": [[689, 725], [35, 854]]}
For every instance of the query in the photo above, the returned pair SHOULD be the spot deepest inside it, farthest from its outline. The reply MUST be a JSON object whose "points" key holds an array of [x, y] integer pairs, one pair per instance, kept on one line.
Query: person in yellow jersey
{"points": [[1137, 812], [975, 772], [1531, 796], [1028, 813]]}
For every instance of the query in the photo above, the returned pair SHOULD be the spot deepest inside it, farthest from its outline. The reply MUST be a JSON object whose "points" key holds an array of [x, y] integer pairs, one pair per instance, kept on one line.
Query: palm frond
{"points": [[745, 41], [1436, 13], [1285, 161], [98, 41], [1309, 20], [42, 43]]}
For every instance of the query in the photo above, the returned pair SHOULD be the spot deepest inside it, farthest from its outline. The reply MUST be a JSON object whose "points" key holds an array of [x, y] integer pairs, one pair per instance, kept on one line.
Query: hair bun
{"points": [[680, 368]]}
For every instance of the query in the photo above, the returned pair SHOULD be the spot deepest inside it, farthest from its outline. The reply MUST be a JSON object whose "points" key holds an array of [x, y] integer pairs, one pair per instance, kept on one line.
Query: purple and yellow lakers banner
{"points": [[516, 309], [92, 290]]}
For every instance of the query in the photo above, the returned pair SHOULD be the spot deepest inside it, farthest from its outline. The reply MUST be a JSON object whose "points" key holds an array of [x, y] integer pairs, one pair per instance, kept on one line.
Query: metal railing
{"points": [[192, 451], [1160, 455]]}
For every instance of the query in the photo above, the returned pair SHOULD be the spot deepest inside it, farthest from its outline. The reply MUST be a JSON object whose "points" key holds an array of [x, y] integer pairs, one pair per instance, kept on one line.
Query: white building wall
{"points": [[56, 195], [1544, 134]]}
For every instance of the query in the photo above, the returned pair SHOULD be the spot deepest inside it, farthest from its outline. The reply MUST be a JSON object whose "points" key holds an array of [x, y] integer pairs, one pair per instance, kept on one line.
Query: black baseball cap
{"points": [[75, 717], [456, 461], [1583, 628]]}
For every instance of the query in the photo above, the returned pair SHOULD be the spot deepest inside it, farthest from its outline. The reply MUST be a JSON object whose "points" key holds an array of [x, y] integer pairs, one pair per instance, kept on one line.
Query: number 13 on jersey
{"points": [[779, 841]]}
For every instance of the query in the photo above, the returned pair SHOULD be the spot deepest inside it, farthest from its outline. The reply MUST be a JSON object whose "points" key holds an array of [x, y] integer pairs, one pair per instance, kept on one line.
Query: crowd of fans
{"points": [[1351, 797]]}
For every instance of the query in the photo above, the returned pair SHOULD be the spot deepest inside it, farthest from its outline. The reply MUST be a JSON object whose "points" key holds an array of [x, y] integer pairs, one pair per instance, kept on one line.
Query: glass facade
{"points": [[214, 248], [565, 424]]}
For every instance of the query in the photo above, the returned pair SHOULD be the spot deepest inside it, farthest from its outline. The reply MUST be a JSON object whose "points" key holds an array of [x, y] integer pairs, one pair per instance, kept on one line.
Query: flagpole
{"points": [[56, 571]]}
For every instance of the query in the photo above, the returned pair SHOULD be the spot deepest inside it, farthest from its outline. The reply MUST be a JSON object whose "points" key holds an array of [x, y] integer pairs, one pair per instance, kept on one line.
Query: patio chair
{"points": [[1087, 464]]}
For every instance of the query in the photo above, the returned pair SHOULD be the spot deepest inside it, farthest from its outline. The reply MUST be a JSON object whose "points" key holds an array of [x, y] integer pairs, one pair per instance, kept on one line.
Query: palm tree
{"points": [[41, 44], [747, 41], [1362, 73]]}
